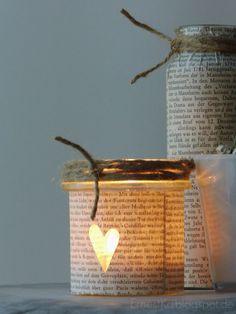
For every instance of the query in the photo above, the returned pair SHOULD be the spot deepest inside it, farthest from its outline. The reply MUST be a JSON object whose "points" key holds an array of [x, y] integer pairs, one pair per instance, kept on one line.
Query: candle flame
{"points": [[104, 246]]}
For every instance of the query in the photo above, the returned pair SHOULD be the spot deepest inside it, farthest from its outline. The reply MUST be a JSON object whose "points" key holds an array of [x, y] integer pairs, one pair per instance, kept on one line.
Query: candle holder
{"points": [[135, 244], [216, 176]]}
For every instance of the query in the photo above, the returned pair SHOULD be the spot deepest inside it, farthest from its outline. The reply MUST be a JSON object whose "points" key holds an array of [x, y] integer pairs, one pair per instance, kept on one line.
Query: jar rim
{"points": [[131, 184], [209, 30]]}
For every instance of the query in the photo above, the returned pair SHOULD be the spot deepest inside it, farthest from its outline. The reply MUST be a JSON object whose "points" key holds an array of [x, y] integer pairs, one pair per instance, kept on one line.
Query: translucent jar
{"points": [[201, 114], [135, 245], [216, 176]]}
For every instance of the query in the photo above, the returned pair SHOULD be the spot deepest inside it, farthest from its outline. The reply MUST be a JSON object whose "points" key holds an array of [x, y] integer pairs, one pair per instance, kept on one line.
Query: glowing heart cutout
{"points": [[104, 245]]}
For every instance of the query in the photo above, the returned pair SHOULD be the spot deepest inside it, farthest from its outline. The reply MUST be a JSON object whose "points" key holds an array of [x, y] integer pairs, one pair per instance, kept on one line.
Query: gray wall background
{"points": [[65, 68]]}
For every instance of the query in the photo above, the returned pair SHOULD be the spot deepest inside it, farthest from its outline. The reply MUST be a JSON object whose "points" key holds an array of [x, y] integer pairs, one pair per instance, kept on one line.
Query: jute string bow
{"points": [[183, 43]]}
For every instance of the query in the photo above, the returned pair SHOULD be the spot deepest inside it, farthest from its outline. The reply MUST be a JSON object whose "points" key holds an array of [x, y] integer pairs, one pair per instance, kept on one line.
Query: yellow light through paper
{"points": [[104, 246]]}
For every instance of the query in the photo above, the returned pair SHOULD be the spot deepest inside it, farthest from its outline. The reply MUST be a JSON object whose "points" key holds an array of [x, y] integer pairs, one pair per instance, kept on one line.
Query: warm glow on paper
{"points": [[104, 245]]}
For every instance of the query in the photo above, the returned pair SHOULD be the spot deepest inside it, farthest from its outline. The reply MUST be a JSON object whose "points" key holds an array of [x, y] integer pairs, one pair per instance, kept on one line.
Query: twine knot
{"points": [[183, 43]]}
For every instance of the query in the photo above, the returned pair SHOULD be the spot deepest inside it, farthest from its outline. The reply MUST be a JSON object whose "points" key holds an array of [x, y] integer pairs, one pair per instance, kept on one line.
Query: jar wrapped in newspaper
{"points": [[126, 224], [201, 114], [135, 244]]}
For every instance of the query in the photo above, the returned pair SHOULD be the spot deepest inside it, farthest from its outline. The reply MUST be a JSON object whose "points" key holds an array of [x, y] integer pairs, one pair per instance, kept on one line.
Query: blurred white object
{"points": [[216, 176], [223, 149]]}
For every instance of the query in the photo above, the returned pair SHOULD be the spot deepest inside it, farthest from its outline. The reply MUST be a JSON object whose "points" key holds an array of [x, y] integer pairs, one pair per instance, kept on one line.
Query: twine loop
{"points": [[200, 43], [128, 170]]}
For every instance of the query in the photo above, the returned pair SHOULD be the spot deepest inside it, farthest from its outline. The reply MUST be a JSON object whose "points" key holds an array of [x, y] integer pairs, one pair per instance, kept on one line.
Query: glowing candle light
{"points": [[104, 246]]}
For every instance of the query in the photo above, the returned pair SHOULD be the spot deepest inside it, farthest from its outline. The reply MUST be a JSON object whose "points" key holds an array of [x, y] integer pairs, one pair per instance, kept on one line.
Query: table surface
{"points": [[56, 298]]}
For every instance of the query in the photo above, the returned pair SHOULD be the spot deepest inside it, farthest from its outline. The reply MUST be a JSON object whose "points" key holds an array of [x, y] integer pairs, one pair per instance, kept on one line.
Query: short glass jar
{"points": [[135, 244]]}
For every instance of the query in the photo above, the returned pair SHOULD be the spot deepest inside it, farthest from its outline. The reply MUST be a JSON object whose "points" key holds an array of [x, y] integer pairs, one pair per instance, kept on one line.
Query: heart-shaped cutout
{"points": [[104, 245]]}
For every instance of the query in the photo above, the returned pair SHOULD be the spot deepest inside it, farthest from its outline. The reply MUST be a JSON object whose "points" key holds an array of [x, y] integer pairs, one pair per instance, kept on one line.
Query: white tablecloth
{"points": [[56, 298]]}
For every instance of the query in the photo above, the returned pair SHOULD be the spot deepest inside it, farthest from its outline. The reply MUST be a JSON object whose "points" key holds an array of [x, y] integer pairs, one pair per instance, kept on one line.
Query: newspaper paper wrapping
{"points": [[201, 114], [149, 258]]}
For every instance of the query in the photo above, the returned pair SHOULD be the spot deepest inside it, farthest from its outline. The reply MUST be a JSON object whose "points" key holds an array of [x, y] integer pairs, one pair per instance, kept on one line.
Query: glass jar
{"points": [[201, 92], [201, 114], [135, 245], [216, 175]]}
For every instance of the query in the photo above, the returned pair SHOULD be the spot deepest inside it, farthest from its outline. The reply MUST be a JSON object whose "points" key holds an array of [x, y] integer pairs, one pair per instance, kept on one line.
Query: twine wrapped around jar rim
{"points": [[183, 43], [121, 170], [128, 169]]}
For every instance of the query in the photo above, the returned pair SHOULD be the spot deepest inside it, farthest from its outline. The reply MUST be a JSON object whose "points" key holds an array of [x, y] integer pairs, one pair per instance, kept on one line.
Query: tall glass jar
{"points": [[201, 114], [135, 245]]}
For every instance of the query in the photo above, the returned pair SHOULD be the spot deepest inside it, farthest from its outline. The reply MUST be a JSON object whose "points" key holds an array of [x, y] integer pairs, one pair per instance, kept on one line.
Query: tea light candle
{"points": [[135, 245]]}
